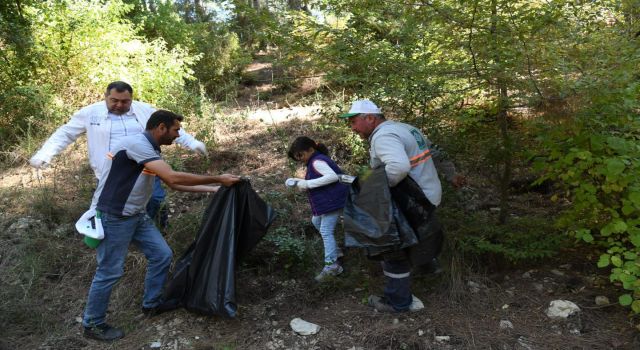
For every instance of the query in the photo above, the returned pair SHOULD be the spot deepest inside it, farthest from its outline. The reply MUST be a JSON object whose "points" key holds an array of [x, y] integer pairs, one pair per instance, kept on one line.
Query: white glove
{"points": [[291, 182], [38, 163], [302, 185], [201, 148]]}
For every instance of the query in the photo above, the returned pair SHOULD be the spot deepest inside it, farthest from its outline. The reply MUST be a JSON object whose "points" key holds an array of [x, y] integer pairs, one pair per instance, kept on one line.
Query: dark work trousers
{"points": [[397, 272]]}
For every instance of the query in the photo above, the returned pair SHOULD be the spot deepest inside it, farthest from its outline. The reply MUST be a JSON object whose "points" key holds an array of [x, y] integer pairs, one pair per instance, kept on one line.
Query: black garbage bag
{"points": [[371, 218], [421, 215], [204, 278]]}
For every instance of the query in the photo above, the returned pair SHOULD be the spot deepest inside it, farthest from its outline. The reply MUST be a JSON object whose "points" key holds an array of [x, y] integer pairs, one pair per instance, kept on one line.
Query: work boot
{"points": [[381, 305], [103, 332]]}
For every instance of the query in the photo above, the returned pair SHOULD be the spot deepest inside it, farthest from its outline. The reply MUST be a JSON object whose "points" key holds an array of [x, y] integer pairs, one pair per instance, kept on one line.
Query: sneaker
{"points": [[329, 271], [103, 332], [416, 304], [380, 304]]}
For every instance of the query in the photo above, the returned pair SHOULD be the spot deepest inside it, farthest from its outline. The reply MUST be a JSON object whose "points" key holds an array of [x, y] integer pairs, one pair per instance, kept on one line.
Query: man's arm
{"points": [[446, 167], [390, 150], [59, 140], [173, 178], [185, 139], [198, 188]]}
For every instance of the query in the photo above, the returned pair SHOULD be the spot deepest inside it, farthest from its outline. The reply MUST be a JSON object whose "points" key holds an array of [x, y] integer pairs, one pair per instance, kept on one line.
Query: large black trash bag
{"points": [[204, 278], [421, 215], [371, 218]]}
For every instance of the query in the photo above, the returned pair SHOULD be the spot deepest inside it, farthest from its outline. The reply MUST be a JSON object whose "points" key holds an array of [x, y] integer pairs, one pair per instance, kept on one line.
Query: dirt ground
{"points": [[497, 307]]}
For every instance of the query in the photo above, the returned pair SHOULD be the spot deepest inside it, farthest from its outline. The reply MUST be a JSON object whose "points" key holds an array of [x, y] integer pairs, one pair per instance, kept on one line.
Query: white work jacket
{"points": [[403, 150], [94, 120]]}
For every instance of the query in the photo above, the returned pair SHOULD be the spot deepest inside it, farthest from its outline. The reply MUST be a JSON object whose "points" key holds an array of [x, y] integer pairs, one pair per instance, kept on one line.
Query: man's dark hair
{"points": [[162, 117], [120, 86]]}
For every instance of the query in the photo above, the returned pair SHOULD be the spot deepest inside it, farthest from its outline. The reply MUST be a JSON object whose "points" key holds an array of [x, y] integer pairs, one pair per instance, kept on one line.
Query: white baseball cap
{"points": [[362, 107]]}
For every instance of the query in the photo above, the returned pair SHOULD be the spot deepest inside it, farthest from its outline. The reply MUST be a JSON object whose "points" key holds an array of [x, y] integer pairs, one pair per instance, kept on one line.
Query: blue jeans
{"points": [[326, 224], [155, 202], [119, 231], [398, 281]]}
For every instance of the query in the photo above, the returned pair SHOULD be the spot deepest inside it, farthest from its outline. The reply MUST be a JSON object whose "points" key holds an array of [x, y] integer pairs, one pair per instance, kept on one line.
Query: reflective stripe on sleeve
{"points": [[420, 158], [396, 275]]}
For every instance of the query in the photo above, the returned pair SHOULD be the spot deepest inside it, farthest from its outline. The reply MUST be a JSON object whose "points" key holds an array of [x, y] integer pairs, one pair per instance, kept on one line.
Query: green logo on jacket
{"points": [[422, 144]]}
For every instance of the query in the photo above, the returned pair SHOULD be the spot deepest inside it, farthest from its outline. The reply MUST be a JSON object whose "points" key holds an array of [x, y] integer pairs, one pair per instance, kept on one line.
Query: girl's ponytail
{"points": [[320, 147], [303, 143]]}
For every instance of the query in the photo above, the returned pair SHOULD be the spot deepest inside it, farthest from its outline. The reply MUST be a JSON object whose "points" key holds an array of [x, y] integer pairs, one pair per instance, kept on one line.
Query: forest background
{"points": [[524, 95]]}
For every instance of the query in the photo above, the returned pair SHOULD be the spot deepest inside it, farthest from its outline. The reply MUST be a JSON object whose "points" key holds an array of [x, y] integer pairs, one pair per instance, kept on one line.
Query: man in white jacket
{"points": [[403, 151], [105, 123]]}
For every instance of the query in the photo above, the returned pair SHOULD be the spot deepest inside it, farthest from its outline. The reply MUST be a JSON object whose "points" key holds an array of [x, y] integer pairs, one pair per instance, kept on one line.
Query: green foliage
{"points": [[219, 58], [596, 158], [289, 249], [76, 59], [520, 239]]}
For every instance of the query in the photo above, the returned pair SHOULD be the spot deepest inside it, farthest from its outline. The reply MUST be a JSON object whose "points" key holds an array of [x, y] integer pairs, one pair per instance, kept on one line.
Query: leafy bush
{"points": [[599, 165], [218, 56], [290, 250], [76, 61], [596, 157], [519, 239]]}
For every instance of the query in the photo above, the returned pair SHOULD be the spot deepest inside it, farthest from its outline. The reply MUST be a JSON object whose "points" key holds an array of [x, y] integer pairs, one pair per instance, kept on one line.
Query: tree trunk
{"points": [[502, 117], [151, 4], [199, 11]]}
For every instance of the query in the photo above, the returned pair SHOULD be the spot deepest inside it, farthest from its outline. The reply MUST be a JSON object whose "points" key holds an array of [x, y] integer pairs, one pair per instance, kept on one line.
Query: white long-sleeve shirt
{"points": [[328, 175], [94, 120]]}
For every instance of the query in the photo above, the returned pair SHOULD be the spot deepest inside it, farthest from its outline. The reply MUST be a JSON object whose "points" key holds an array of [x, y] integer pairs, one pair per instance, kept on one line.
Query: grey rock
{"points": [[538, 287], [525, 343], [303, 327], [473, 286], [602, 300], [506, 324], [23, 224], [561, 309]]}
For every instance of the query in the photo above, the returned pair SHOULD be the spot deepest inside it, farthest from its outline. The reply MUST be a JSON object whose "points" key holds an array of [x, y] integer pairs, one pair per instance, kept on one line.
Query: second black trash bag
{"points": [[372, 219], [421, 215], [204, 278]]}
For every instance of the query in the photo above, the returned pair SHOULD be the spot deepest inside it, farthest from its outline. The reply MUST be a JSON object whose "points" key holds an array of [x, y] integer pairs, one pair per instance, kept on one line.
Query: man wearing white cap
{"points": [[403, 151]]}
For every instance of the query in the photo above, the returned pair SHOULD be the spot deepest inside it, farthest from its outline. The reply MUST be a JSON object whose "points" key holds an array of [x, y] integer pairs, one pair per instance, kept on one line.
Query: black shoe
{"points": [[431, 268], [434, 267], [103, 332], [156, 310]]}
